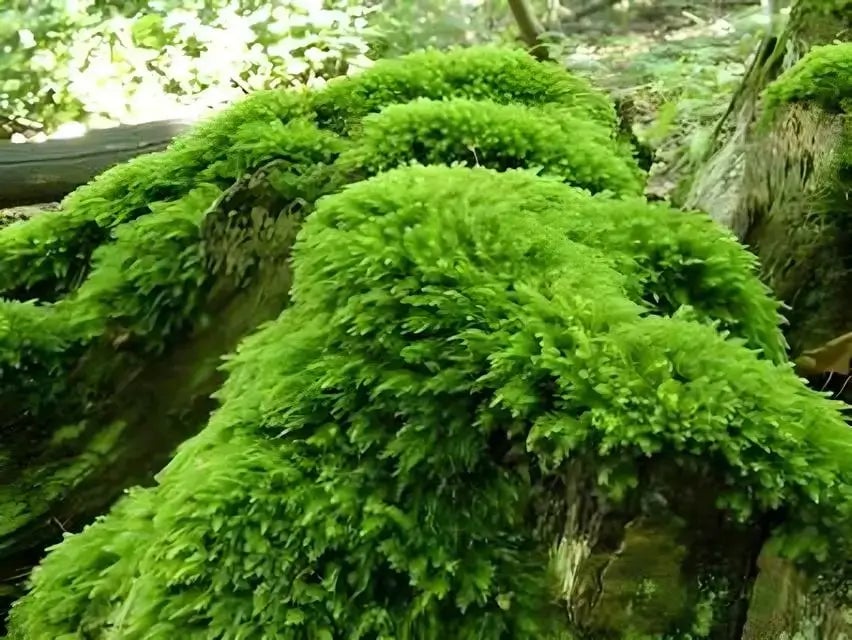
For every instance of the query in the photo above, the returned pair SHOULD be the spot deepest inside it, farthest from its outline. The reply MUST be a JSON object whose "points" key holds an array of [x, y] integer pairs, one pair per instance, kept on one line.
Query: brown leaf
{"points": [[834, 356]]}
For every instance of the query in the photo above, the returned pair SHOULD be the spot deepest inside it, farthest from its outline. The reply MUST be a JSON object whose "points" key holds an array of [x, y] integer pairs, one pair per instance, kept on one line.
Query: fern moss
{"points": [[381, 462], [350, 485], [50, 255], [500, 75], [484, 133], [47, 257]]}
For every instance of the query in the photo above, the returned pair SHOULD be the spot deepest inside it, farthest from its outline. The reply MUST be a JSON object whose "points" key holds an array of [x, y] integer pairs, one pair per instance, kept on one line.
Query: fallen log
{"points": [[32, 173]]}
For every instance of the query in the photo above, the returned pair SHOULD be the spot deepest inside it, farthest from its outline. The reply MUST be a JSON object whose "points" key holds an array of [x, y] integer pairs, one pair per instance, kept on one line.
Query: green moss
{"points": [[823, 78], [496, 74], [484, 133], [355, 480], [351, 482], [797, 192], [679, 260], [48, 256], [146, 286], [38, 488]]}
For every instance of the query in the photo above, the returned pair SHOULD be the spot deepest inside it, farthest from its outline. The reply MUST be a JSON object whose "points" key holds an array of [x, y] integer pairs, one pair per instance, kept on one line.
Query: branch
{"points": [[48, 171], [531, 29]]}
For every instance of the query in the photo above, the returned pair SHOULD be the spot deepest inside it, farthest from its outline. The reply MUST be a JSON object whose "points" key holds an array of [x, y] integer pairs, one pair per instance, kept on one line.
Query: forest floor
{"points": [[677, 71]]}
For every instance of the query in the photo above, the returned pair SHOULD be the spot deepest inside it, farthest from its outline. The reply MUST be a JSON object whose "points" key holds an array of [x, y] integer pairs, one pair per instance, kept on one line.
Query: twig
{"points": [[530, 27]]}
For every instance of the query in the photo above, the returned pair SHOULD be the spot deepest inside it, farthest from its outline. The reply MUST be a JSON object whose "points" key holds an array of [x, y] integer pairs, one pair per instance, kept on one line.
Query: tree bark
{"points": [[33, 173], [779, 189], [759, 184]]}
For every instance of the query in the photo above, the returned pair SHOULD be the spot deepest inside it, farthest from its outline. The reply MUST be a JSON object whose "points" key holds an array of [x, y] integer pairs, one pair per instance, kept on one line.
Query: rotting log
{"points": [[768, 186], [31, 173], [153, 404]]}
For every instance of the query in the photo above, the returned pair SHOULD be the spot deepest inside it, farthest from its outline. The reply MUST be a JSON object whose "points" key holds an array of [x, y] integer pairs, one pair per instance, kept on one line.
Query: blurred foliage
{"points": [[92, 60]]}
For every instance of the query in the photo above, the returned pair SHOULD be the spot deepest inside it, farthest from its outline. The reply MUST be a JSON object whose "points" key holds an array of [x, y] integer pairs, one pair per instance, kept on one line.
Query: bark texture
{"points": [[778, 176], [770, 186]]}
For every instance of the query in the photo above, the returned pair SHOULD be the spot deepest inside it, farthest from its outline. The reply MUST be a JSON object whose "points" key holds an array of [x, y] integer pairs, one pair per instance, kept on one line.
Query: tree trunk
{"points": [[780, 180], [47, 172], [530, 27], [665, 560], [766, 186]]}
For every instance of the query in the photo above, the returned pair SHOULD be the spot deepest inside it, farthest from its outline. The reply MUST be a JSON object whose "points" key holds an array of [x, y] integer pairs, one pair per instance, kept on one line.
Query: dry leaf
{"points": [[832, 357]]}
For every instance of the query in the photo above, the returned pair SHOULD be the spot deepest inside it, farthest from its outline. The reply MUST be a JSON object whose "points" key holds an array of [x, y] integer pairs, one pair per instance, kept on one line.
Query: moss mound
{"points": [[823, 78], [355, 479], [479, 73], [383, 458], [484, 133]]}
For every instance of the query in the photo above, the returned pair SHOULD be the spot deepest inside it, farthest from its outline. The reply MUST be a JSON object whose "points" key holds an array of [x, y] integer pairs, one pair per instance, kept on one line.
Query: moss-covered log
{"points": [[119, 306], [472, 417], [778, 174], [780, 177]]}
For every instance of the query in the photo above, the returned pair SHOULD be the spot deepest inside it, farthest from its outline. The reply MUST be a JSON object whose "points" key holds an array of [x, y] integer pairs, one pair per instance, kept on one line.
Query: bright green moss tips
{"points": [[682, 260], [49, 256], [671, 259], [823, 76], [478, 73], [351, 483], [484, 133]]}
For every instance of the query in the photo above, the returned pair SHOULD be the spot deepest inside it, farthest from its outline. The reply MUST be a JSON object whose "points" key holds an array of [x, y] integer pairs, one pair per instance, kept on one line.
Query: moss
{"points": [[355, 480], [506, 76], [484, 133], [146, 286], [680, 260], [49, 256], [32, 494], [823, 77], [796, 199], [128, 268], [349, 475]]}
